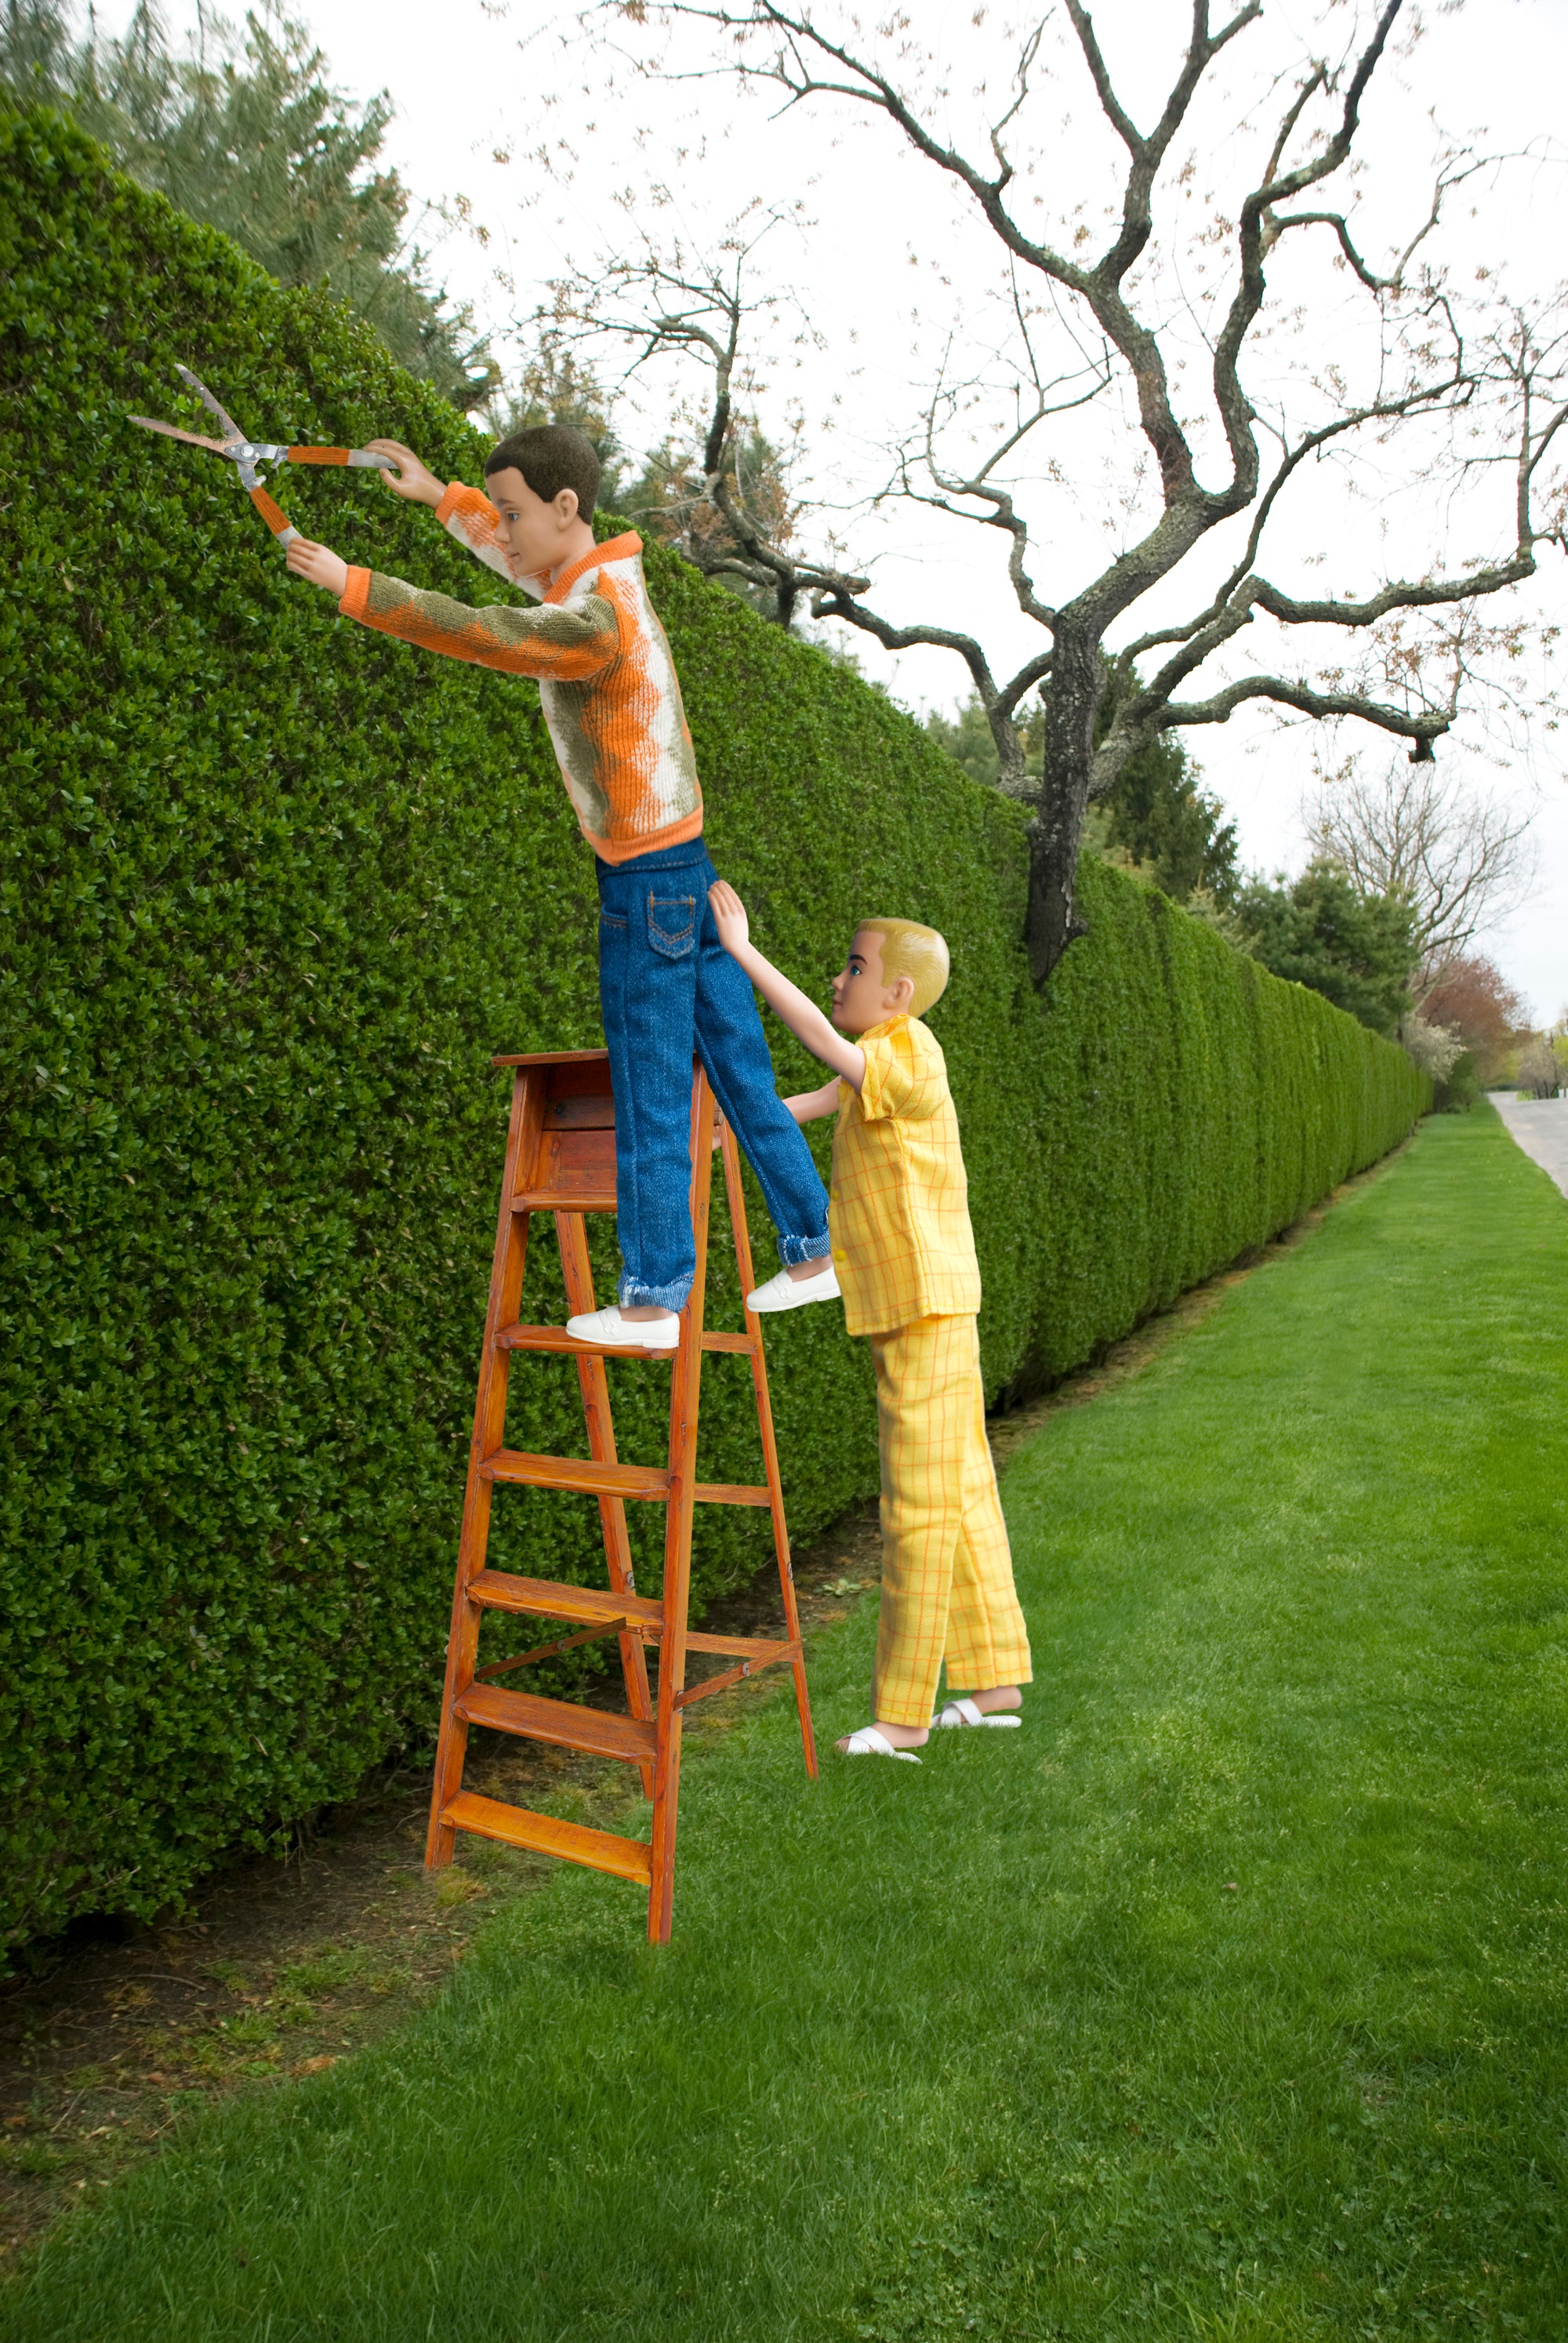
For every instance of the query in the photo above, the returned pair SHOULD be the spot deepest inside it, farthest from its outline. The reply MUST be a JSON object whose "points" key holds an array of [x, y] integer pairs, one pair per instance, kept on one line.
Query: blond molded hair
{"points": [[919, 953]]}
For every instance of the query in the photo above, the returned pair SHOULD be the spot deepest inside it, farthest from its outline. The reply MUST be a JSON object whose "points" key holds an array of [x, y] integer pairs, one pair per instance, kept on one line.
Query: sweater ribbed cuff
{"points": [[355, 599]]}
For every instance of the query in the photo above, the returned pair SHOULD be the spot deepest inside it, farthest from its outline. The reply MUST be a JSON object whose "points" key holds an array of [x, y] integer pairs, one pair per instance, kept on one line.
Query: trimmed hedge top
{"points": [[274, 891]]}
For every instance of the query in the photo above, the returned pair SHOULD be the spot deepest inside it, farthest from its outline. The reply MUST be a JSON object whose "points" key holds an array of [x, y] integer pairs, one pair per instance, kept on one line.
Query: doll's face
{"points": [[862, 994], [534, 535]]}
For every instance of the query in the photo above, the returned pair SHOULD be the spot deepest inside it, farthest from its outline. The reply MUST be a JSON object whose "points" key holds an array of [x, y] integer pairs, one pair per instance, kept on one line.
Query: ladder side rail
{"points": [[685, 1392], [571, 1234], [507, 1265], [736, 1196]]}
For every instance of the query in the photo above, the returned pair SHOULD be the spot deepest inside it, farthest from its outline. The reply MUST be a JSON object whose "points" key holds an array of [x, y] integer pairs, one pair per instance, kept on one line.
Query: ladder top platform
{"points": [[557, 1057]]}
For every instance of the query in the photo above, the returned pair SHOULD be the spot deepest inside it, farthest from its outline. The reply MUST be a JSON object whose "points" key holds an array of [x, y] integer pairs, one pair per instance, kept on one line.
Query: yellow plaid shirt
{"points": [[902, 1243]]}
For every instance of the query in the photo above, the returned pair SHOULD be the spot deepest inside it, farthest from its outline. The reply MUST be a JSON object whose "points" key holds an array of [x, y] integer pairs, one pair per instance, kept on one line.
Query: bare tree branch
{"points": [[1497, 389]]}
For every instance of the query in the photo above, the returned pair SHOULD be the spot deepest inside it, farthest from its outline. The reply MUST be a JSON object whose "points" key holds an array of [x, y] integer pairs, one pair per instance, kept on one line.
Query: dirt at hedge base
{"points": [[287, 1967]]}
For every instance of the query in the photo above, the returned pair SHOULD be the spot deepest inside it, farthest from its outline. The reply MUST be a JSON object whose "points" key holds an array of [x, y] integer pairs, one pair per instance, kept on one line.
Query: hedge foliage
{"points": [[274, 889]]}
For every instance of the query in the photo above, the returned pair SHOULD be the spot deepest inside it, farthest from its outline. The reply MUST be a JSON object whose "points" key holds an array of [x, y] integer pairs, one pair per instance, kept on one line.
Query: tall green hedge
{"points": [[274, 891]]}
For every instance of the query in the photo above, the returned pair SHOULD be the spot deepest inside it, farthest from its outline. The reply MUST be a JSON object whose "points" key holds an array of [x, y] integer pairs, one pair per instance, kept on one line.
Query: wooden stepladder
{"points": [[560, 1158]]}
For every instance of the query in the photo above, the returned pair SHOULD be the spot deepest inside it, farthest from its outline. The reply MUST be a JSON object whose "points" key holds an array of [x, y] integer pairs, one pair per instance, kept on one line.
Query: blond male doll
{"points": [[905, 1256]]}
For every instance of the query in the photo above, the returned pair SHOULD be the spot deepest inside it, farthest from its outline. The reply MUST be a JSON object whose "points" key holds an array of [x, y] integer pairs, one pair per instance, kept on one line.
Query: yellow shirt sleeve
{"points": [[902, 1079]]}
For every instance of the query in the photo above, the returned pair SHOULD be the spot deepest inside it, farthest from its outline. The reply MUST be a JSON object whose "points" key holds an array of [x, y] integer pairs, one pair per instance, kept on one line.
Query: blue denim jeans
{"points": [[668, 992]]}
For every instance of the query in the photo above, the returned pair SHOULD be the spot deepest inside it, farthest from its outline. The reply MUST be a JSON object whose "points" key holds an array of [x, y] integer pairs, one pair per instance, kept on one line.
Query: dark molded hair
{"points": [[550, 457]]}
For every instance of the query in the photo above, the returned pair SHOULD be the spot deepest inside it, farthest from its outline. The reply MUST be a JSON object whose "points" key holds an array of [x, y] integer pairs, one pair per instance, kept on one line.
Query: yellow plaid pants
{"points": [[948, 1593]]}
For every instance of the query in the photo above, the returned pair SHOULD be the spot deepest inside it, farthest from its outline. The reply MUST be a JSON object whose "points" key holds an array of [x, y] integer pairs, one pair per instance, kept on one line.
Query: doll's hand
{"points": [[412, 479], [728, 914], [319, 565]]}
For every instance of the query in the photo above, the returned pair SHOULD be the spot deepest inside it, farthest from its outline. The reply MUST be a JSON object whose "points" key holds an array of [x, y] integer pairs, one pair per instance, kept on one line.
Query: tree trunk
{"points": [[1071, 701]]}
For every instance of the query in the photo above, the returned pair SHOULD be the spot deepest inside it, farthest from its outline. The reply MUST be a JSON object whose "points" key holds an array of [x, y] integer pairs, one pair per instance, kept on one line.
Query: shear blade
{"points": [[209, 402], [172, 431]]}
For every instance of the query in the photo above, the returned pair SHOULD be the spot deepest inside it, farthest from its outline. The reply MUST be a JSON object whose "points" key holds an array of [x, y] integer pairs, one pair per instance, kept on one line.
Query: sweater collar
{"points": [[614, 549]]}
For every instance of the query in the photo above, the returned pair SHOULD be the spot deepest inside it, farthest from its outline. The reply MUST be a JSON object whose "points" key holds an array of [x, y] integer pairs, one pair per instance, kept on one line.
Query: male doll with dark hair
{"points": [[668, 990]]}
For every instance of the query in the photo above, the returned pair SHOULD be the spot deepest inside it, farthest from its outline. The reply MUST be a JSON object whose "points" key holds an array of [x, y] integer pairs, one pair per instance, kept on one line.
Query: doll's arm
{"points": [[412, 480], [811, 1106], [561, 642], [466, 514], [317, 564], [786, 1001]]}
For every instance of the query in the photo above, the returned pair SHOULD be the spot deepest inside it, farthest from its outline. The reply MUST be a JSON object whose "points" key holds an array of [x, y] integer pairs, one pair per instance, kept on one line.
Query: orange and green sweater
{"points": [[606, 681]]}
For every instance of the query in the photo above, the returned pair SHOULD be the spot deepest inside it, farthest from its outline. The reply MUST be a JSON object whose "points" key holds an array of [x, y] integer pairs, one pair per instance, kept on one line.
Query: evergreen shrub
{"points": [[274, 891]]}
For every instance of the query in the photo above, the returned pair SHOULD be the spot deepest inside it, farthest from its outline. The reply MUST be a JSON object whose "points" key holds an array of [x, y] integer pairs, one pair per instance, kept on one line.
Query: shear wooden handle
{"points": [[360, 458], [274, 517]]}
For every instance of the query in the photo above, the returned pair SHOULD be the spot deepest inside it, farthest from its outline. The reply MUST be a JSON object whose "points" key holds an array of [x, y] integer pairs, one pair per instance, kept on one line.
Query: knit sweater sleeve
{"points": [[560, 642], [468, 515]]}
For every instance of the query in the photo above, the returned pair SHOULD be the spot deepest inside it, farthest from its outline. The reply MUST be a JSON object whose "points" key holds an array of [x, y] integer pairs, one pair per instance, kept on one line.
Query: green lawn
{"points": [[1226, 1999]]}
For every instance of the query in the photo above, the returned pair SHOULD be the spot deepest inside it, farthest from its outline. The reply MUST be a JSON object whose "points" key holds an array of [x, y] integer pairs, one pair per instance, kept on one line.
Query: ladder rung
{"points": [[595, 1731], [625, 1858], [762, 1648], [564, 1200], [583, 1474], [730, 1493], [547, 1598], [557, 1339]]}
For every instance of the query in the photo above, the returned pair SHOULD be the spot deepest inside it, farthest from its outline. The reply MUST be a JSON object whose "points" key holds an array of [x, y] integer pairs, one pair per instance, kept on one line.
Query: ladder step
{"points": [[587, 1478], [546, 1598], [582, 1474], [598, 1732], [549, 1598], [556, 1339], [564, 1200], [625, 1858]]}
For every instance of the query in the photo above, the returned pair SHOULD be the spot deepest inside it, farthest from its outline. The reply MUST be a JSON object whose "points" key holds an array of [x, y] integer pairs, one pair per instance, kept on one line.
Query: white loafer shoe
{"points": [[783, 1291], [625, 1334]]}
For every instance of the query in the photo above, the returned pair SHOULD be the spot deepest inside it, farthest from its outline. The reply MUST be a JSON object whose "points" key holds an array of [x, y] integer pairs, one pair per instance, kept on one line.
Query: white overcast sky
{"points": [[479, 80]]}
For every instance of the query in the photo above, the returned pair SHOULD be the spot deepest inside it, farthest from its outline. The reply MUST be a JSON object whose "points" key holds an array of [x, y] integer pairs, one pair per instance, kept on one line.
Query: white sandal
{"points": [[964, 1711], [869, 1742]]}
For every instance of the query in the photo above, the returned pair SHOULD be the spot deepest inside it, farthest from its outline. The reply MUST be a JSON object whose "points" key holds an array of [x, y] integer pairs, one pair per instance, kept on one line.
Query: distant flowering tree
{"points": [[1436, 1049], [1540, 1068], [1475, 1001]]}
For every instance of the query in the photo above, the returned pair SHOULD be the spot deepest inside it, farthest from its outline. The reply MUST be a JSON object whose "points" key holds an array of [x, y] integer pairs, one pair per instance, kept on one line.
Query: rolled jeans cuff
{"points": [[630, 1296], [797, 1249]]}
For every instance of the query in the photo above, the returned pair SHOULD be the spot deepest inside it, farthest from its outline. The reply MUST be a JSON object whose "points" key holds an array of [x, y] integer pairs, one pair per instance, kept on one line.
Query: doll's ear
{"points": [[899, 995]]}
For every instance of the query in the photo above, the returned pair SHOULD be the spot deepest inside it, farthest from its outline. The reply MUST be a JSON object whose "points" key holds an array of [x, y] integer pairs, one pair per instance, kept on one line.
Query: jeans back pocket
{"points": [[672, 924]]}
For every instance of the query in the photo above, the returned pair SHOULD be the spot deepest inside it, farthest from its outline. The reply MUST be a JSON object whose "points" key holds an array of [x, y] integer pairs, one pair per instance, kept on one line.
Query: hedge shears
{"points": [[247, 453]]}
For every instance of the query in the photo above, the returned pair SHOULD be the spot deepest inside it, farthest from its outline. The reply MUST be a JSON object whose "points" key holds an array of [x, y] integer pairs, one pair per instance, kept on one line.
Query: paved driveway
{"points": [[1541, 1127]]}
